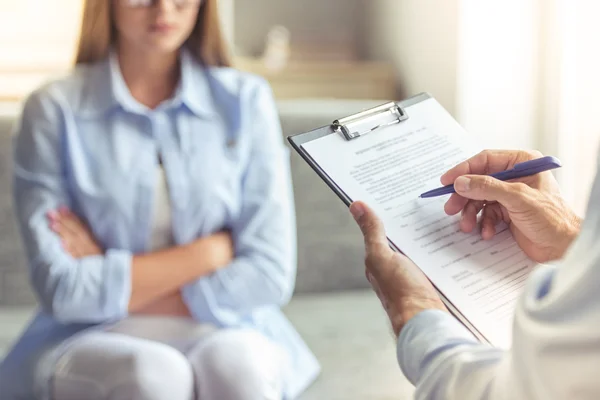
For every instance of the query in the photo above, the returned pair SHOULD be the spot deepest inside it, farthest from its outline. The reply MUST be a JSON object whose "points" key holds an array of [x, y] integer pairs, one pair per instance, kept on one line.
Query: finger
{"points": [[67, 228], [376, 242], [468, 221], [52, 216], [55, 226], [73, 224], [78, 248], [69, 248], [488, 162], [455, 204], [512, 195], [60, 229], [71, 234], [491, 216], [65, 211], [69, 239]]}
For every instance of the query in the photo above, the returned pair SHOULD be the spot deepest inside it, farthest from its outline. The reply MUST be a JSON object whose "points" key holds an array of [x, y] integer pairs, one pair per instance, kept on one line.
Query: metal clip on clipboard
{"points": [[370, 120]]}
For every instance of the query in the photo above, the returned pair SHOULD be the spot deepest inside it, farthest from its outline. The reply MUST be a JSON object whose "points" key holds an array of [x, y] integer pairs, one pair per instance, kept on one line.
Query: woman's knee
{"points": [[160, 374], [123, 368], [238, 364]]}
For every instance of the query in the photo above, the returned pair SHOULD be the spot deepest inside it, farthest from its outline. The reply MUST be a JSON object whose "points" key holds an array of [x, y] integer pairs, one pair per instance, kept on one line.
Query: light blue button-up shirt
{"points": [[555, 350], [84, 142]]}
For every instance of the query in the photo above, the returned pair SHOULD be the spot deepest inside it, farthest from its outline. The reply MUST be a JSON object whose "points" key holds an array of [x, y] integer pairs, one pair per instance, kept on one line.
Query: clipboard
{"points": [[353, 127]]}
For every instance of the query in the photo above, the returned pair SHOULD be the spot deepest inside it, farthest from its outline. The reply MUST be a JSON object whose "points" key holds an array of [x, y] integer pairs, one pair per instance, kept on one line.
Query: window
{"points": [[38, 40]]}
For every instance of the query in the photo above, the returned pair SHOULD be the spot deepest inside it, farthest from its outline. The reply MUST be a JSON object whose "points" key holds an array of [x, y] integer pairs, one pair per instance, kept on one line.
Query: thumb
{"points": [[482, 187], [371, 227]]}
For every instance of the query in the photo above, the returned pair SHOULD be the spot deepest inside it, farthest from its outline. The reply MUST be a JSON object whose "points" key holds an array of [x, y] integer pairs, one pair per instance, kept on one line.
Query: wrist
{"points": [[409, 308], [199, 252]]}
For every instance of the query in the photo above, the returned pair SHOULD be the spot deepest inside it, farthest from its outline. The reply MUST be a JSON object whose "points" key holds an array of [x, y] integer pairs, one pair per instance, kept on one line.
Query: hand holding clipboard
{"points": [[387, 157]]}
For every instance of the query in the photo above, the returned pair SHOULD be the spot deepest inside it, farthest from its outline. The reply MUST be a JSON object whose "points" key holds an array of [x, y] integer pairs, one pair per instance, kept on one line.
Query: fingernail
{"points": [[357, 210], [52, 214], [462, 184], [63, 209], [54, 226]]}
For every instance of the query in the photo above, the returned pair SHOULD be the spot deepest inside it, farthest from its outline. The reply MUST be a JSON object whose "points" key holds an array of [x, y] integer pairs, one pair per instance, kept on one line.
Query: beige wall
{"points": [[420, 38], [227, 11], [319, 21], [478, 58]]}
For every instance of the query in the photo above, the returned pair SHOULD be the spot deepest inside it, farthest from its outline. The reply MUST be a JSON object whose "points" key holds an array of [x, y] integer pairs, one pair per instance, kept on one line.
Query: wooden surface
{"points": [[359, 80]]}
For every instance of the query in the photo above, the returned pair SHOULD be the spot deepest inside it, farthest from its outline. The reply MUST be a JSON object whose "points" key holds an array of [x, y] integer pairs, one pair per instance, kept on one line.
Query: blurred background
{"points": [[515, 73]]}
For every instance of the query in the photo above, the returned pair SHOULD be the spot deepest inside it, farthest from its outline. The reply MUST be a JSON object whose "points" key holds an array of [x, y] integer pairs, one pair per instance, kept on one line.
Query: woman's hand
{"points": [[404, 291], [77, 239], [217, 249], [540, 220]]}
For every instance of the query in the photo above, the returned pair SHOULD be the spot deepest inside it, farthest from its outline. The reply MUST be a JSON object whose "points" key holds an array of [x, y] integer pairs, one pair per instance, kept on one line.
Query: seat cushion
{"points": [[14, 285], [351, 336], [348, 332]]}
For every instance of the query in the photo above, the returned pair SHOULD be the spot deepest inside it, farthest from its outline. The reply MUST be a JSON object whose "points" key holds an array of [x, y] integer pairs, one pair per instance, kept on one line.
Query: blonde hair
{"points": [[98, 33]]}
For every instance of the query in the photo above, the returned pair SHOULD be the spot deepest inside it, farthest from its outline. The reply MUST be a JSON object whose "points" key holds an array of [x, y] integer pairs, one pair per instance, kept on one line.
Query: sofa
{"points": [[333, 308]]}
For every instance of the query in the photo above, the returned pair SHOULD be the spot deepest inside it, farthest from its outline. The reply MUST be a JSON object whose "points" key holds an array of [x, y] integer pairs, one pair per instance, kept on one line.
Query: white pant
{"points": [[192, 365]]}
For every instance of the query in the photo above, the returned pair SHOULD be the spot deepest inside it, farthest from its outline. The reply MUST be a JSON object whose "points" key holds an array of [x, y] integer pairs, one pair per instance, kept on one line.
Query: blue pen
{"points": [[520, 170]]}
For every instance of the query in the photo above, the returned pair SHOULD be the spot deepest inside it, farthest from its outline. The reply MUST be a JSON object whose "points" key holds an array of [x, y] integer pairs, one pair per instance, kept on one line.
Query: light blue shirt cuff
{"points": [[118, 292], [99, 294], [427, 335]]}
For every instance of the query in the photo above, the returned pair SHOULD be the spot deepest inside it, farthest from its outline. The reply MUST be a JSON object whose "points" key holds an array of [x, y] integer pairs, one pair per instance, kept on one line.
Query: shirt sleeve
{"points": [[263, 272], [555, 347], [88, 290]]}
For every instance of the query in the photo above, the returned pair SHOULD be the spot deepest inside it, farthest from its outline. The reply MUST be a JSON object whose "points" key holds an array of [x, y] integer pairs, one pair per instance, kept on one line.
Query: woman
{"points": [[153, 194]]}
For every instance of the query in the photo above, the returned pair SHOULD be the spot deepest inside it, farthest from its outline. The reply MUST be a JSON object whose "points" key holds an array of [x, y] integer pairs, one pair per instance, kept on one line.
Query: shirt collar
{"points": [[193, 90], [194, 86]]}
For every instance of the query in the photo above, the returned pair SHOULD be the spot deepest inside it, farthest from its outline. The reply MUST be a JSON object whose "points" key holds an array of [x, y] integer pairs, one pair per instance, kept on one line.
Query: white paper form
{"points": [[388, 169]]}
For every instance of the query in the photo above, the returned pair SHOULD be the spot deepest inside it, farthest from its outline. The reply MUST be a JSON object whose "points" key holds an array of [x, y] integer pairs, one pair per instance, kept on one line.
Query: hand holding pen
{"points": [[531, 204]]}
